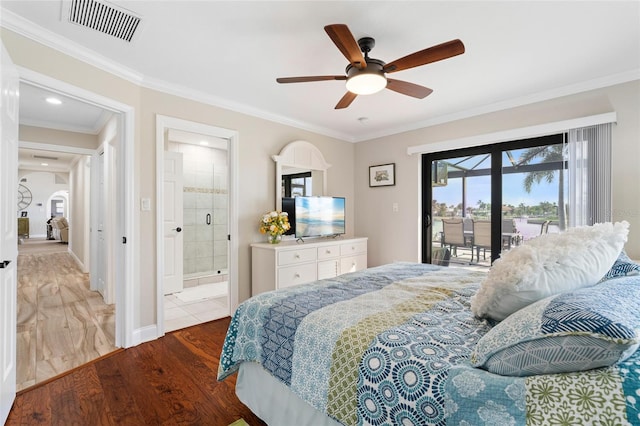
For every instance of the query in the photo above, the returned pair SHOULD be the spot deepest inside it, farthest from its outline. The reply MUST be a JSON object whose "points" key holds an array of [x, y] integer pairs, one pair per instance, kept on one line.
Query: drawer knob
{"points": [[297, 256], [328, 251], [297, 275]]}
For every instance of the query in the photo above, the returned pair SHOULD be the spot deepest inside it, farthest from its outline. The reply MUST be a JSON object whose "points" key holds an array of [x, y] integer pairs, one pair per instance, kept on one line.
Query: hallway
{"points": [[61, 324]]}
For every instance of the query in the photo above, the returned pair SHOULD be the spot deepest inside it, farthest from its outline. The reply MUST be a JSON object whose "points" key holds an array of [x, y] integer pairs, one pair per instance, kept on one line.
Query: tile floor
{"points": [[179, 314], [61, 324]]}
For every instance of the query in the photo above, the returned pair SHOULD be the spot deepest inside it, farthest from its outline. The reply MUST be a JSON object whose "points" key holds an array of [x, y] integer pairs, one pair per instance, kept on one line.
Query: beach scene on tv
{"points": [[319, 216]]}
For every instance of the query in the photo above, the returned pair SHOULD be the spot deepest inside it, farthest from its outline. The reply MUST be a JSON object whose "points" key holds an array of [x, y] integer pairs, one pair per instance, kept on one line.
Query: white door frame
{"points": [[163, 123], [127, 255]]}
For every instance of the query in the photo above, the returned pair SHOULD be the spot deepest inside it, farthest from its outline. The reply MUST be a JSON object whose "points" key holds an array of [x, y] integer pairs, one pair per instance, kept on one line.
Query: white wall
{"points": [[79, 183], [396, 235]]}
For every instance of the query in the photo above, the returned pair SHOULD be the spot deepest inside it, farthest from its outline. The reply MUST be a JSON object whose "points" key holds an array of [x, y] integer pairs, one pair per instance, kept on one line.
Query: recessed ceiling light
{"points": [[204, 143], [44, 164], [53, 101]]}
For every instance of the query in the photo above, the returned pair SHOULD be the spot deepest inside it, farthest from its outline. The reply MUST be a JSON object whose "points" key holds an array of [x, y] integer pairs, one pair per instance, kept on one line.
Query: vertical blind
{"points": [[588, 154]]}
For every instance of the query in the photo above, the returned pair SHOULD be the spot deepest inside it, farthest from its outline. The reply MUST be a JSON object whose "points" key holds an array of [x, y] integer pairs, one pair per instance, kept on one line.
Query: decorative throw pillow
{"points": [[549, 264], [589, 328], [622, 267]]}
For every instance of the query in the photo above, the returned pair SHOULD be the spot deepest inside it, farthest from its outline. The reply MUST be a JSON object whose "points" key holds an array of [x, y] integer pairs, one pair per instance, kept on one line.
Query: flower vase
{"points": [[275, 238]]}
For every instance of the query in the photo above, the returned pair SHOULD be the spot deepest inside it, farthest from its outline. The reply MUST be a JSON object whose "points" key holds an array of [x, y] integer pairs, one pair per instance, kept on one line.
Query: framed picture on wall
{"points": [[382, 175]]}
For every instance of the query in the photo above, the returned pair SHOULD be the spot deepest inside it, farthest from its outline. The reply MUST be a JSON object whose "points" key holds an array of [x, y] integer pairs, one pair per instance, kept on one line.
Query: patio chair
{"points": [[482, 237], [544, 228], [510, 234], [453, 235], [440, 256]]}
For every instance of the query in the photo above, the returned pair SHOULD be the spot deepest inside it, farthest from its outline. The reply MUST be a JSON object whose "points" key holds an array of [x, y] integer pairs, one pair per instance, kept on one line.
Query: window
{"points": [[298, 184], [494, 197]]}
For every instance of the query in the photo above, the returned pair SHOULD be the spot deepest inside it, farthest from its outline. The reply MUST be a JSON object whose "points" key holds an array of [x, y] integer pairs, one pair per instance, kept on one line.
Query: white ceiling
{"points": [[71, 114], [230, 54], [45, 161]]}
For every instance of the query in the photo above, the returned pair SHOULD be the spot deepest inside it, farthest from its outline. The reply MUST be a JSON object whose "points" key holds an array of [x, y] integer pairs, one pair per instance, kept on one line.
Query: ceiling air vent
{"points": [[44, 157], [104, 17]]}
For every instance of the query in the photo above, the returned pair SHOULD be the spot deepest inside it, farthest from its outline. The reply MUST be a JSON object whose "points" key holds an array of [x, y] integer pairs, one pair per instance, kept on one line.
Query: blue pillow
{"points": [[622, 267], [588, 328]]}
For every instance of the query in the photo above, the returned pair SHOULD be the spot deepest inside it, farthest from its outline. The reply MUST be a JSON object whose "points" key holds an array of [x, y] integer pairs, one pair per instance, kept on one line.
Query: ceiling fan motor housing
{"points": [[369, 80]]}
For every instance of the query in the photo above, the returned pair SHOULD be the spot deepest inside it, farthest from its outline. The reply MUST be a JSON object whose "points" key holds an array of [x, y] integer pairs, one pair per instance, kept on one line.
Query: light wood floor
{"points": [[61, 323], [168, 381]]}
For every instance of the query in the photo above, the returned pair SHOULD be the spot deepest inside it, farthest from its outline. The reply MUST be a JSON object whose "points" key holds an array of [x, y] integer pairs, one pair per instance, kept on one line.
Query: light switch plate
{"points": [[145, 204]]}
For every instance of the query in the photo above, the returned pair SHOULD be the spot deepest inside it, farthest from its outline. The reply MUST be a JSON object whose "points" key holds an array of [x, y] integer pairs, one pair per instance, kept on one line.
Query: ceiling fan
{"points": [[365, 75]]}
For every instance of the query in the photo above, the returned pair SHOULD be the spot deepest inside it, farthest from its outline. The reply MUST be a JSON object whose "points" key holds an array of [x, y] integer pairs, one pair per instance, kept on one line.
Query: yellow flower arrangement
{"points": [[275, 224]]}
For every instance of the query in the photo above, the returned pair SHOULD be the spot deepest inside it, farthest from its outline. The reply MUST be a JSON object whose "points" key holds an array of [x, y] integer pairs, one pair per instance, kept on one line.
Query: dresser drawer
{"points": [[295, 275], [291, 257], [353, 248], [353, 263], [328, 252], [328, 269]]}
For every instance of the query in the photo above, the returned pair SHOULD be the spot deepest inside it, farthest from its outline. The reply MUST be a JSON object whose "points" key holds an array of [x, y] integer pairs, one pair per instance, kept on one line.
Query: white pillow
{"points": [[548, 265]]}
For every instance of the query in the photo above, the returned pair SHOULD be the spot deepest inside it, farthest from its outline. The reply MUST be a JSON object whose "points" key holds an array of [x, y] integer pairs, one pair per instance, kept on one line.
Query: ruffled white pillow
{"points": [[548, 265]]}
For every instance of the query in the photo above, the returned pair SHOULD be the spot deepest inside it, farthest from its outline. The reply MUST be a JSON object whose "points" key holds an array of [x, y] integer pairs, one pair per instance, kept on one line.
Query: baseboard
{"points": [[78, 262], [144, 334]]}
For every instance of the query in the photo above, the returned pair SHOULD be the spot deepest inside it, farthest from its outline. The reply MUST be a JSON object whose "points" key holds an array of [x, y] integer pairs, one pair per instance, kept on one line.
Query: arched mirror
{"points": [[300, 159]]}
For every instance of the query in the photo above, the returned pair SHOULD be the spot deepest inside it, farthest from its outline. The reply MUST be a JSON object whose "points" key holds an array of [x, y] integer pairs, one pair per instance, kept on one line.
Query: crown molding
{"points": [[57, 126], [28, 29], [198, 96], [47, 38], [559, 92], [36, 33]]}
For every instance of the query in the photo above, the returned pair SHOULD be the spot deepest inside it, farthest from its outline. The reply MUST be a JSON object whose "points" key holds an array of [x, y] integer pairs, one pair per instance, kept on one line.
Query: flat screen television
{"points": [[319, 216]]}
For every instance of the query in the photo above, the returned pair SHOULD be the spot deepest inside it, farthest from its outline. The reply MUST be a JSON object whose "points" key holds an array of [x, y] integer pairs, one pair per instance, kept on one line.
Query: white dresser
{"points": [[291, 263]]}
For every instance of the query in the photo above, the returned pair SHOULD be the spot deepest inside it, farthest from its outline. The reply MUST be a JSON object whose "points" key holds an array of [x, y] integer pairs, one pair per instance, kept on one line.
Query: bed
{"points": [[401, 344]]}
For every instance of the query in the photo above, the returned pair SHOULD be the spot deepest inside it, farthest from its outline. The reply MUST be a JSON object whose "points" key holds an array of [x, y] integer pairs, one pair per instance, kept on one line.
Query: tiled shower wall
{"points": [[205, 193]]}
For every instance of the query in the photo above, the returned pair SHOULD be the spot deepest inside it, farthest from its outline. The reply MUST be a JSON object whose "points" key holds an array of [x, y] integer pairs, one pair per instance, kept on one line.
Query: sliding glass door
{"points": [[480, 201]]}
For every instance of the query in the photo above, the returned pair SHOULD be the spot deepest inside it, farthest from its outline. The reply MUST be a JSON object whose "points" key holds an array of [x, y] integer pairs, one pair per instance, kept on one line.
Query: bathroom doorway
{"points": [[200, 171], [197, 279]]}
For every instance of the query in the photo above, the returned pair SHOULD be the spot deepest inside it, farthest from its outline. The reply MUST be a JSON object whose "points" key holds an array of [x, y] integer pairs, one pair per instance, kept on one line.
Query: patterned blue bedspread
{"points": [[390, 345]]}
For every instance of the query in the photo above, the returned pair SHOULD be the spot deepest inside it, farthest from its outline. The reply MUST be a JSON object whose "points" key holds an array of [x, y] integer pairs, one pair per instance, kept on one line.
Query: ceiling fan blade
{"points": [[344, 40], [310, 78], [346, 100], [426, 56], [409, 89]]}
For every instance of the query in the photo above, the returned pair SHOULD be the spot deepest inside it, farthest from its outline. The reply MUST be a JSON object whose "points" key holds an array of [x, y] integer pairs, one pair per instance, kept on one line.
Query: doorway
{"points": [[196, 229], [479, 202], [197, 251], [81, 222]]}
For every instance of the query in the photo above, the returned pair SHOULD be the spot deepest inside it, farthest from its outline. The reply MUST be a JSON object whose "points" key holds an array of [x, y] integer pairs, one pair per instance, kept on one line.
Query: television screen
{"points": [[319, 216], [289, 207]]}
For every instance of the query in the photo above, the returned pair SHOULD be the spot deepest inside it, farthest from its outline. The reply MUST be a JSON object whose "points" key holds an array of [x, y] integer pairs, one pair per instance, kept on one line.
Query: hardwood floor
{"points": [[172, 380]]}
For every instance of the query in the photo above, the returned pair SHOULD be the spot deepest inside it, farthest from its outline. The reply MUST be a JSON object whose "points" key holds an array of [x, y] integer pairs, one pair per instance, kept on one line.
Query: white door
{"points": [[173, 240], [8, 237]]}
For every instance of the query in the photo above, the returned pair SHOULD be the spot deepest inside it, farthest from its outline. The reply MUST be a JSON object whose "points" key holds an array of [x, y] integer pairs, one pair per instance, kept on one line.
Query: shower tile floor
{"points": [[179, 314]]}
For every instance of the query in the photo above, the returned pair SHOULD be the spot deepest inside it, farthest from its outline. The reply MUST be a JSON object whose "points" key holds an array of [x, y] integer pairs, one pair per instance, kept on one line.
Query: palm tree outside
{"points": [[547, 154]]}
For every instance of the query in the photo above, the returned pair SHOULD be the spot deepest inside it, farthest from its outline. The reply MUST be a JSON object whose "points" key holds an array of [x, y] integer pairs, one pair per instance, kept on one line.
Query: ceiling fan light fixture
{"points": [[366, 84], [366, 81]]}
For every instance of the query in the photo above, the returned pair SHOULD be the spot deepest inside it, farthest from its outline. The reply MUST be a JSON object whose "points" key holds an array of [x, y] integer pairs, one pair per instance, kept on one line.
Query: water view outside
{"points": [[533, 183]]}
